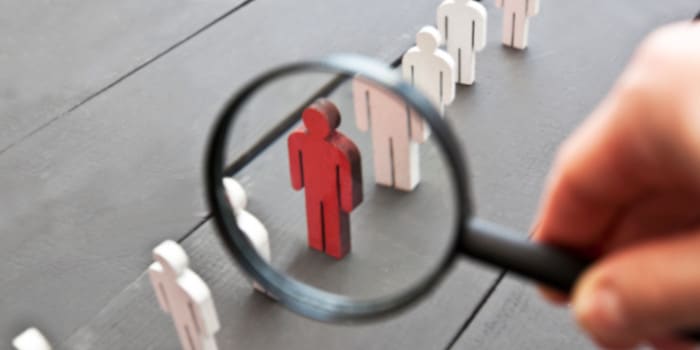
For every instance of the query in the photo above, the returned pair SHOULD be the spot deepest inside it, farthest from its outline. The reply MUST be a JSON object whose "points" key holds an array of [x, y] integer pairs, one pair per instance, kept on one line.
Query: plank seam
{"points": [[472, 316], [485, 298], [131, 72], [395, 63], [129, 285]]}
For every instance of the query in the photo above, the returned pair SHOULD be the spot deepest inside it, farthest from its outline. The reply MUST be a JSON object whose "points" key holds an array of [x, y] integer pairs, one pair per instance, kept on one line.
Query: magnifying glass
{"points": [[367, 188]]}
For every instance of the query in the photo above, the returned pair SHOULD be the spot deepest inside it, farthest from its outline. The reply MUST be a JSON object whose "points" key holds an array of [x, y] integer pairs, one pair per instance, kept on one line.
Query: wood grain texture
{"points": [[252, 321], [86, 198], [516, 317], [392, 246], [55, 54]]}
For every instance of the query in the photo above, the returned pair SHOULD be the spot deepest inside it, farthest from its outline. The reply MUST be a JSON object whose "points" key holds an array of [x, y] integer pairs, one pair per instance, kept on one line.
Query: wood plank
{"points": [[111, 190], [516, 317], [388, 250], [251, 321], [577, 50], [55, 54], [499, 145], [86, 198]]}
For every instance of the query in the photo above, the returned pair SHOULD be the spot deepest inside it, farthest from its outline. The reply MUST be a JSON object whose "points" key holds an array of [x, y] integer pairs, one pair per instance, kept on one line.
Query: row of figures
{"points": [[395, 133], [434, 72], [516, 20], [180, 291], [184, 295], [327, 164], [462, 28]]}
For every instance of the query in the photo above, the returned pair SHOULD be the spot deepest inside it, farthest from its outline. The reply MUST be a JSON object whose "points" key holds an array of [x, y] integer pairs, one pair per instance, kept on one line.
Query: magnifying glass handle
{"points": [[503, 247]]}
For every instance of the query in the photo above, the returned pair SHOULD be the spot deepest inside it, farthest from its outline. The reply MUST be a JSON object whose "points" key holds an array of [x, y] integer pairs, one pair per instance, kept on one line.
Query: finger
{"points": [[643, 136], [595, 173], [553, 296], [671, 344], [641, 292], [658, 214]]}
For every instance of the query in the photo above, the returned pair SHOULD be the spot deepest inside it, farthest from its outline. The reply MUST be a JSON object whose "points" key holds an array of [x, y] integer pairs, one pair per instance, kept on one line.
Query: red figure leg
{"points": [[314, 224], [337, 229]]}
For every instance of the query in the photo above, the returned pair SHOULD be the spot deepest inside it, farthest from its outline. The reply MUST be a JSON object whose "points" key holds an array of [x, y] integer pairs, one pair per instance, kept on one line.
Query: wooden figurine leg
{"points": [[336, 229], [466, 66], [209, 343], [508, 28], [314, 223], [187, 336], [455, 53], [381, 146], [520, 33], [406, 164]]}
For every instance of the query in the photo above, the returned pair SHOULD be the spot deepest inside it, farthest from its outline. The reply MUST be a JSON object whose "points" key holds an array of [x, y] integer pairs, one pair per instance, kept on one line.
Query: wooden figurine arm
{"points": [[361, 96], [533, 7], [349, 174], [202, 307], [157, 277], [442, 23], [296, 165], [420, 131], [480, 27], [406, 65], [448, 83]]}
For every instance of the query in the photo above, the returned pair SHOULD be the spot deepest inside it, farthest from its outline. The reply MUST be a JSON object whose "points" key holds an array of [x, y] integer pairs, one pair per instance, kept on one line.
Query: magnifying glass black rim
{"points": [[297, 296]]}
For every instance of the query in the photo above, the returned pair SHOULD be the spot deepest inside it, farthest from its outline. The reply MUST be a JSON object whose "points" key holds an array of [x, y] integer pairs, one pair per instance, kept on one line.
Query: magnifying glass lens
{"points": [[348, 209], [356, 197]]}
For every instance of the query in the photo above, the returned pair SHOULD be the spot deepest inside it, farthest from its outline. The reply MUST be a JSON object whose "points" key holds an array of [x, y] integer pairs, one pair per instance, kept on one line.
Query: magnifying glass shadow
{"points": [[394, 245]]}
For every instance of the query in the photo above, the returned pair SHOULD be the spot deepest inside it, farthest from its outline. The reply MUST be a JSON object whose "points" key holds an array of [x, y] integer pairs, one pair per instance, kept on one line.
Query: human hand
{"points": [[625, 189]]}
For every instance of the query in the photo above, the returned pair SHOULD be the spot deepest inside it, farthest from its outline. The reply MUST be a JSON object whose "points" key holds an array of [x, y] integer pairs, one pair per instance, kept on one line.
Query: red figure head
{"points": [[321, 118]]}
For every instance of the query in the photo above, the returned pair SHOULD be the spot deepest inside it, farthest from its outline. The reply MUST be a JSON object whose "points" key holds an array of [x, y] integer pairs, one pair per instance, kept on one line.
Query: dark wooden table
{"points": [[104, 111]]}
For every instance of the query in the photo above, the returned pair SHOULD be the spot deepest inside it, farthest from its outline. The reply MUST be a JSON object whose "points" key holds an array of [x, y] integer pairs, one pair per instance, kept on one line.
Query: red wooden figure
{"points": [[327, 164]]}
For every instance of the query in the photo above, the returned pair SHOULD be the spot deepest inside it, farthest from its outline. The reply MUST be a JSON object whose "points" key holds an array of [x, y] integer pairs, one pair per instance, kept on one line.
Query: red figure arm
{"points": [[296, 167], [349, 172]]}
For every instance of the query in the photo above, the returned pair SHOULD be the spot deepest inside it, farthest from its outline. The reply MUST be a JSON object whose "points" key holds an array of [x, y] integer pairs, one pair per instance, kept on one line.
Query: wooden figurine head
{"points": [[321, 118]]}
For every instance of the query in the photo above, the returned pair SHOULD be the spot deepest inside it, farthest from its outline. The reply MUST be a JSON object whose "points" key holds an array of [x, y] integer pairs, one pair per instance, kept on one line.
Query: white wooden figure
{"points": [[516, 20], [430, 69], [462, 24], [249, 224], [395, 134], [31, 339], [185, 296]]}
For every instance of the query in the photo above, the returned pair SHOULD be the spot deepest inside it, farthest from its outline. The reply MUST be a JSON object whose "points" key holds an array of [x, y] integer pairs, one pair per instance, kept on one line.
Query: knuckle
{"points": [[605, 276], [665, 62], [668, 49], [656, 57], [658, 43]]}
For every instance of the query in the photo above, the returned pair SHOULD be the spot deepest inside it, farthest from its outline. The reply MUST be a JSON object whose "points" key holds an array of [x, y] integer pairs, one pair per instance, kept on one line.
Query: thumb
{"points": [[642, 292]]}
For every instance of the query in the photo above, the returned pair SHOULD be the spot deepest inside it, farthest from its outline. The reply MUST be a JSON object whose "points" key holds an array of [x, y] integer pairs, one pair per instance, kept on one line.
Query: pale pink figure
{"points": [[516, 20], [396, 133], [185, 296]]}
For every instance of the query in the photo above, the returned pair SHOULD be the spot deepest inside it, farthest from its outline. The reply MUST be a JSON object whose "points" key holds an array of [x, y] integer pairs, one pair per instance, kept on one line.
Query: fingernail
{"points": [[600, 313]]}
